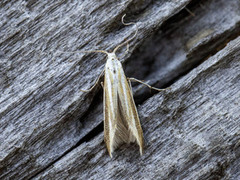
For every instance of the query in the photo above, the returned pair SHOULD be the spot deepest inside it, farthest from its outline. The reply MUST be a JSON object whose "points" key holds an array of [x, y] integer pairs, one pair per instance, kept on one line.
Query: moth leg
{"points": [[139, 81], [129, 82], [96, 83], [102, 84]]}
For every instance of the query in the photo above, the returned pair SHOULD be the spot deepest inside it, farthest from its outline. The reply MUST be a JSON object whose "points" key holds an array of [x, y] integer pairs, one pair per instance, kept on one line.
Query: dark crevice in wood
{"points": [[92, 134], [195, 57], [219, 43], [88, 137], [97, 100], [183, 14], [95, 131]]}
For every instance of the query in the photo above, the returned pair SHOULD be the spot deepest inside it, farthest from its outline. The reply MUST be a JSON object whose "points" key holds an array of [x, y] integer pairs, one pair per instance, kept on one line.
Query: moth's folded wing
{"points": [[128, 111], [110, 110]]}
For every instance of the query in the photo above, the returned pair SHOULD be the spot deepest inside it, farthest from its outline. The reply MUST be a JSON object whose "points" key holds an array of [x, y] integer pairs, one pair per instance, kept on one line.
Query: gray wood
{"points": [[52, 130]]}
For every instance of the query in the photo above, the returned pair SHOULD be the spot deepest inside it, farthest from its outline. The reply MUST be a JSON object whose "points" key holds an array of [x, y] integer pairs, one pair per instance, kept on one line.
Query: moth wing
{"points": [[128, 112], [110, 105]]}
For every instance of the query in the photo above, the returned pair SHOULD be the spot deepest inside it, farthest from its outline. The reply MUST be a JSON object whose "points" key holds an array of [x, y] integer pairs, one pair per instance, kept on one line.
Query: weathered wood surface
{"points": [[51, 130]]}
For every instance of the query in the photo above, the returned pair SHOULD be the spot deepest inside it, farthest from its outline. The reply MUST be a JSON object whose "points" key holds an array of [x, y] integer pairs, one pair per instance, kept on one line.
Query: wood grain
{"points": [[52, 130]]}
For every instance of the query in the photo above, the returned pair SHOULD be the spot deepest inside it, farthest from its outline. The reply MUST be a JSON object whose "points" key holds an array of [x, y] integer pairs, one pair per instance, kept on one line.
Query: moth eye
{"points": [[114, 71]]}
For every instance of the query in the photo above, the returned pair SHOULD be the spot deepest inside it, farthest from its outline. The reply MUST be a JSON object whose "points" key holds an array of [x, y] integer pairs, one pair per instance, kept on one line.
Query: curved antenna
{"points": [[128, 40]]}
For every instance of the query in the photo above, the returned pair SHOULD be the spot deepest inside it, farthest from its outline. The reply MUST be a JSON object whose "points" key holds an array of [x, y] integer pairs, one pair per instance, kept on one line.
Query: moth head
{"points": [[112, 56]]}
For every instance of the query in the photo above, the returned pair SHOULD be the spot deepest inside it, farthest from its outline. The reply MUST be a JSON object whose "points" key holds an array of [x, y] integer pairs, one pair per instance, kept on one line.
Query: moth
{"points": [[121, 121]]}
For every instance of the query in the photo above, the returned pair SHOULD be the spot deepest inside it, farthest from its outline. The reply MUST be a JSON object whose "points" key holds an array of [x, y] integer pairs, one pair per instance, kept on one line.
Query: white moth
{"points": [[121, 121]]}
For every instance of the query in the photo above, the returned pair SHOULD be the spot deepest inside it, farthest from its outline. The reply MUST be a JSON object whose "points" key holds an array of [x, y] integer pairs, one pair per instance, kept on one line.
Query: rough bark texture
{"points": [[52, 130]]}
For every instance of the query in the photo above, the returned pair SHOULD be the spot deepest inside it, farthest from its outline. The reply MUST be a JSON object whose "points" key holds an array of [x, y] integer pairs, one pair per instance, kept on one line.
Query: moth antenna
{"points": [[128, 40]]}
